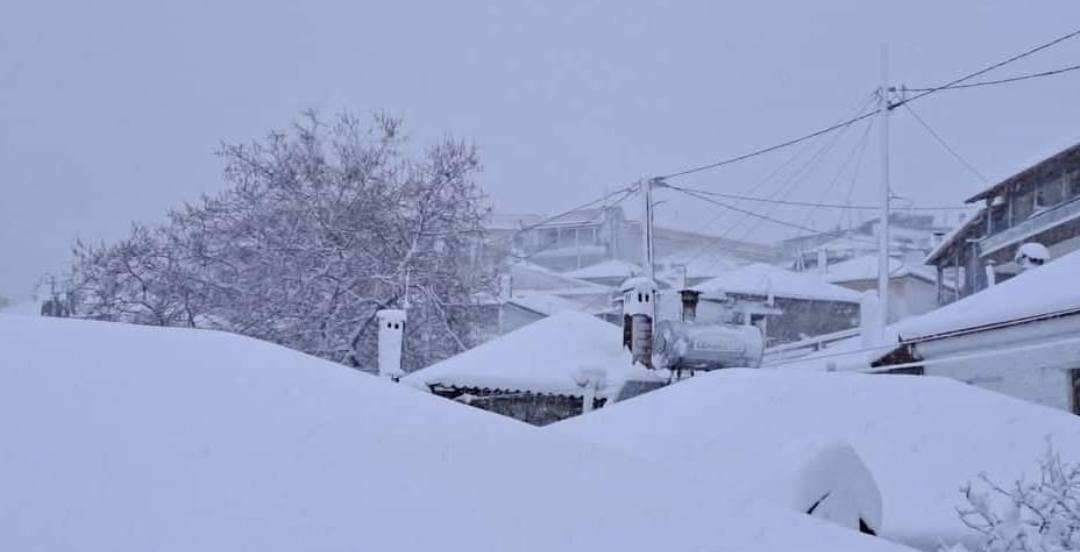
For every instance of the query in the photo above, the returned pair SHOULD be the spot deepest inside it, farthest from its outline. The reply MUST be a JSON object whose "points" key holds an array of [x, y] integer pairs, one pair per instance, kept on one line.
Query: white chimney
{"points": [[870, 328], [391, 342], [639, 304]]}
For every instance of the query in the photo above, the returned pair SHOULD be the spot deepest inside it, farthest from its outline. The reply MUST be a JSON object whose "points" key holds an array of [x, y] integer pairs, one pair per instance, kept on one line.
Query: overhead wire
{"points": [[952, 151], [1017, 78], [955, 83]]}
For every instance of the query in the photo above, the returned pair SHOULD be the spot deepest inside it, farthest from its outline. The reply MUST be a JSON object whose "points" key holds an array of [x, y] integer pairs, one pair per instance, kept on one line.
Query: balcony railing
{"points": [[1043, 220]]}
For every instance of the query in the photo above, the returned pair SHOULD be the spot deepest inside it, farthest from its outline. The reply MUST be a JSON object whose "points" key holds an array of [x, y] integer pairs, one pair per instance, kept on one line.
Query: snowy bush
{"points": [[1041, 515], [317, 229]]}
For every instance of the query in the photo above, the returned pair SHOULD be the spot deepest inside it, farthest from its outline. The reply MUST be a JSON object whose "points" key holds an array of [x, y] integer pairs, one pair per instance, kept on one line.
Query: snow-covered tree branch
{"points": [[318, 228]]}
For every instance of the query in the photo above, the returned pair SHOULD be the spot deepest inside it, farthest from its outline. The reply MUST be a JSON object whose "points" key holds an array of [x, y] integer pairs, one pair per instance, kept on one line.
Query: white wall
{"points": [[1039, 372]]}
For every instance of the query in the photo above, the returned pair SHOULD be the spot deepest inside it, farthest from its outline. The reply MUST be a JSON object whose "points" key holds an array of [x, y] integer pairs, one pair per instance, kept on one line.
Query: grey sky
{"points": [[111, 111]]}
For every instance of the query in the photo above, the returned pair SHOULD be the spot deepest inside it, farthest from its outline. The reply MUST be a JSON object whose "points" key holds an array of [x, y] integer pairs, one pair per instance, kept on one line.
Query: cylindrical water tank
{"points": [[687, 346]]}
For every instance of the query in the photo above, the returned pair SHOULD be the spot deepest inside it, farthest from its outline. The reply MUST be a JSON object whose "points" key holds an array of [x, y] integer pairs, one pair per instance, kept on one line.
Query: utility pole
{"points": [[647, 252], [883, 227]]}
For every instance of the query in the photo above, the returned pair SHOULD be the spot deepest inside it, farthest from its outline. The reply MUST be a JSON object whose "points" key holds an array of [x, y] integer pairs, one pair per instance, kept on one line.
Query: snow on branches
{"points": [[1041, 515], [319, 227]]}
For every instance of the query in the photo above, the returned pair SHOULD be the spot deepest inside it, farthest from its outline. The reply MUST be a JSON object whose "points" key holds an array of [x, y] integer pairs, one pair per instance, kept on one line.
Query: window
{"points": [[1074, 391], [999, 218], [1023, 204], [1050, 191], [1074, 183]]}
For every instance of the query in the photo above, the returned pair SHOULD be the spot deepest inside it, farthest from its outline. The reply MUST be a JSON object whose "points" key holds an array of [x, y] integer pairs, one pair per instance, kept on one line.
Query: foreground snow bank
{"points": [[750, 435], [128, 438]]}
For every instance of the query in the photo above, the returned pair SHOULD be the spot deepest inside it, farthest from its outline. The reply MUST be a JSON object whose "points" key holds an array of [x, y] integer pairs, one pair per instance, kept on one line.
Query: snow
{"points": [[765, 280], [613, 268], [697, 263], [749, 435], [128, 438], [866, 268], [836, 485], [1046, 289], [951, 236], [546, 356], [543, 303], [532, 277]]}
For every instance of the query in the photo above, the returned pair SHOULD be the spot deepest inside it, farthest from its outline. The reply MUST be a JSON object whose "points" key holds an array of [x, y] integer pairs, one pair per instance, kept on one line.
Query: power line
{"points": [[971, 168], [954, 83], [816, 204], [773, 220], [769, 149], [572, 210], [922, 94], [1003, 81]]}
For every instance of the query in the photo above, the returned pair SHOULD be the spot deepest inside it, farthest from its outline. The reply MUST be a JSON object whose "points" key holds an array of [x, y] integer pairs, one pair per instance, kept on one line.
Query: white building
{"points": [[912, 285]]}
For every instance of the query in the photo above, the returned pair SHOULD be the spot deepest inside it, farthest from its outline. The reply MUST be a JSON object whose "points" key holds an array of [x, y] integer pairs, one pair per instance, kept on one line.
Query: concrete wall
{"points": [[1030, 361]]}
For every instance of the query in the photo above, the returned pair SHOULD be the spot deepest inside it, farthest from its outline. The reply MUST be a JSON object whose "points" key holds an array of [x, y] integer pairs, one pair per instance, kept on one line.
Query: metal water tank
{"points": [[682, 345]]}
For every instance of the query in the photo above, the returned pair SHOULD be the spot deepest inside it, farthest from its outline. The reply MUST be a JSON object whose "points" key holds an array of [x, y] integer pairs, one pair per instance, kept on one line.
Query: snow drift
{"points": [[128, 438], [751, 436]]}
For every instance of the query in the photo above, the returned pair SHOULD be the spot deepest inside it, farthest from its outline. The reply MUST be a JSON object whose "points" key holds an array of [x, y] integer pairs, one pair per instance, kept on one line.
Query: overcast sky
{"points": [[111, 111]]}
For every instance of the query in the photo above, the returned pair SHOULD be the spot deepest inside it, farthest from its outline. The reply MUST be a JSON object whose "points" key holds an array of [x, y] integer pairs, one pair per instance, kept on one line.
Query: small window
{"points": [[1023, 203], [1074, 183], [1051, 191]]}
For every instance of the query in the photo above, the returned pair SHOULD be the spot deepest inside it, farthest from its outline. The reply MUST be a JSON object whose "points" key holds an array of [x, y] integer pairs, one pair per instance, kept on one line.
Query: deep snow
{"points": [[126, 438], [750, 435]]}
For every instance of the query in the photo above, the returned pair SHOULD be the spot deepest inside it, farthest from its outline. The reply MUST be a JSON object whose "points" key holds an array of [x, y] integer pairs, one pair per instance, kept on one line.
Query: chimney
{"points": [[870, 328], [689, 299], [639, 308], [391, 342]]}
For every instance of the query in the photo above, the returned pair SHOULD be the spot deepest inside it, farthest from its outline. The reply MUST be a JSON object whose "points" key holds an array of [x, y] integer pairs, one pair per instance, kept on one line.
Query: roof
{"points": [[1047, 289], [698, 263], [532, 277], [542, 303], [1027, 171], [950, 237], [547, 356], [866, 268], [763, 279], [747, 433], [132, 438], [612, 268]]}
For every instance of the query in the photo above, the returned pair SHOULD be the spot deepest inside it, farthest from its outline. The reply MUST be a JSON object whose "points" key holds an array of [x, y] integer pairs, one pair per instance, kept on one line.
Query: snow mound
{"points": [[836, 485], [127, 438], [749, 433]]}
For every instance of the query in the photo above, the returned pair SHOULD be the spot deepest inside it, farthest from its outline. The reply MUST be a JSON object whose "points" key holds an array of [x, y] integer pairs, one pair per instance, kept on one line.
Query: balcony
{"points": [[1033, 225]]}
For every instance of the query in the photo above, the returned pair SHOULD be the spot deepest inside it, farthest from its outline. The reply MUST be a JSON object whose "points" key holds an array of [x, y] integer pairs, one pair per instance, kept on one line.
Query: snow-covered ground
{"points": [[750, 435], [126, 438]]}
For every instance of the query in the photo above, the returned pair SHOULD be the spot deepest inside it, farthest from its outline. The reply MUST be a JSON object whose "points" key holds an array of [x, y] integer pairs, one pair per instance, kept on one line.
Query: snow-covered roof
{"points": [[533, 277], [763, 279], [130, 438], [951, 236], [612, 268], [866, 268], [747, 434], [542, 303], [698, 264], [1032, 163], [547, 356], [1047, 289]]}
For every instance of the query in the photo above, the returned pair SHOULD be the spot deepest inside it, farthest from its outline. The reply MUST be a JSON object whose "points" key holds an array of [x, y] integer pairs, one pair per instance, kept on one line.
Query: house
{"points": [[786, 305], [756, 435], [552, 369], [1018, 337], [130, 438], [911, 235], [1040, 204], [912, 285], [587, 237]]}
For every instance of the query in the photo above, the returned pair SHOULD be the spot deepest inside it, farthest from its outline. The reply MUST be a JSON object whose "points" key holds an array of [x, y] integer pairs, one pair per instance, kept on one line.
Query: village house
{"points": [[544, 372], [1018, 337], [912, 236], [1040, 204], [787, 306], [588, 237], [912, 285]]}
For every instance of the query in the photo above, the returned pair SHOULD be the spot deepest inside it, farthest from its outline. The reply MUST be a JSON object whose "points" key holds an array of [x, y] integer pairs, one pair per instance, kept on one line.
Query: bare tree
{"points": [[319, 227], [1029, 516]]}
